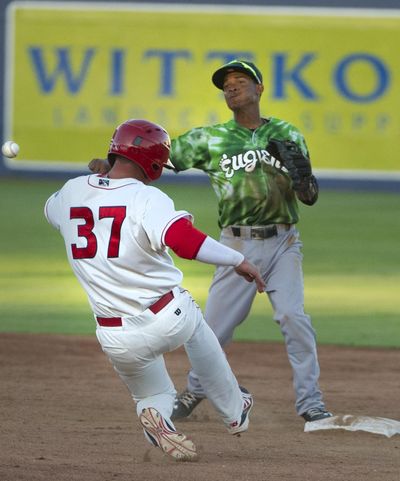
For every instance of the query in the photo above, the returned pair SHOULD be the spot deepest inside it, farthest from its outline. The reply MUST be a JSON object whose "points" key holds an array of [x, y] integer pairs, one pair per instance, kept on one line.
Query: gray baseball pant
{"points": [[279, 259]]}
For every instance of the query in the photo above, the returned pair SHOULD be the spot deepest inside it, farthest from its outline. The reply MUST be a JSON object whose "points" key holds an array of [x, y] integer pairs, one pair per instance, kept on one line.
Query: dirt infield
{"points": [[65, 415]]}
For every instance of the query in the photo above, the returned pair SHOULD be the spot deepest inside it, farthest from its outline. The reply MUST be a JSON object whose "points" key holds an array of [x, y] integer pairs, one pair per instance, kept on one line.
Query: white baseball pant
{"points": [[136, 351]]}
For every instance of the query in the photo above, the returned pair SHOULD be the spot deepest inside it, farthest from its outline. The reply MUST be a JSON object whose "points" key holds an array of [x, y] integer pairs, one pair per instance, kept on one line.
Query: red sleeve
{"points": [[184, 239]]}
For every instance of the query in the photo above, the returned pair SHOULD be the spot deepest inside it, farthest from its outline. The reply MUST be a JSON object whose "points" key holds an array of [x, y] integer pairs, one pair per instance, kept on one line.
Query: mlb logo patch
{"points": [[104, 182]]}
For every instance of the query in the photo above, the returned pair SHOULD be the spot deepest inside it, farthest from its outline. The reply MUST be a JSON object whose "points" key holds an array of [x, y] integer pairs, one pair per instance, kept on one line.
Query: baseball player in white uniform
{"points": [[117, 230]]}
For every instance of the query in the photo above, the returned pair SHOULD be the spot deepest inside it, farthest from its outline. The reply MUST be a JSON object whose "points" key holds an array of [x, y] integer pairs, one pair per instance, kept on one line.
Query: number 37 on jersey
{"points": [[85, 230]]}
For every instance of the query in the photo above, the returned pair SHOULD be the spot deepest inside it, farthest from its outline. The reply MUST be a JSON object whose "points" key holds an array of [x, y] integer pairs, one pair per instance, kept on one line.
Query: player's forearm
{"points": [[188, 242], [213, 252]]}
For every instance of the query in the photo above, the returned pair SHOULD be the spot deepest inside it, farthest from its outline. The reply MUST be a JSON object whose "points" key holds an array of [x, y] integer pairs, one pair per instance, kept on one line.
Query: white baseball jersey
{"points": [[114, 236]]}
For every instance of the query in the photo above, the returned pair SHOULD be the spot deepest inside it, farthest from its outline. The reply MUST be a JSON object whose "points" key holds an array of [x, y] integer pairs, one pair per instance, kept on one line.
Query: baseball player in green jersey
{"points": [[259, 167], [257, 183]]}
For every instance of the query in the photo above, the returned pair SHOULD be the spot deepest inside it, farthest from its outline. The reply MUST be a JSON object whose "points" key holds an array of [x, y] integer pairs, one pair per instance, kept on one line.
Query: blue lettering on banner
{"points": [[109, 116], [64, 67], [117, 71], [380, 69], [82, 116], [282, 75], [168, 58], [47, 80], [332, 122], [339, 122], [383, 122]]}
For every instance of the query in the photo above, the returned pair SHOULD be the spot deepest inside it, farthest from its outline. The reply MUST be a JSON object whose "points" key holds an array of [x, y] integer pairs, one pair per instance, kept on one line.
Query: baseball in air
{"points": [[10, 149]]}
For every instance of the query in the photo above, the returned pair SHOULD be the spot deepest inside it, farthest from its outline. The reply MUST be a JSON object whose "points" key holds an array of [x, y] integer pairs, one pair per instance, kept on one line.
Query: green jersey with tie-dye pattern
{"points": [[252, 187]]}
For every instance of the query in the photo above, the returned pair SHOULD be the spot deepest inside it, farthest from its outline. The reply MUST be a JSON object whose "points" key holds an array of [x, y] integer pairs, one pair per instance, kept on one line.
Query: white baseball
{"points": [[10, 149]]}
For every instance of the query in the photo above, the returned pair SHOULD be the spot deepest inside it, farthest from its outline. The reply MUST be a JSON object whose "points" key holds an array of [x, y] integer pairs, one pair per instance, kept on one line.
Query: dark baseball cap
{"points": [[236, 65]]}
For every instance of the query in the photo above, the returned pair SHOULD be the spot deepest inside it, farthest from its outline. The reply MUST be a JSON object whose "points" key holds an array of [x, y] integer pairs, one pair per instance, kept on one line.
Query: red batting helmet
{"points": [[144, 143]]}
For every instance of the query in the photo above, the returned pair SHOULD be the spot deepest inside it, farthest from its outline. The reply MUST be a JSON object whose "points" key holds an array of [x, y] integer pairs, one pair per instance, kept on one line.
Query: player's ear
{"points": [[260, 89]]}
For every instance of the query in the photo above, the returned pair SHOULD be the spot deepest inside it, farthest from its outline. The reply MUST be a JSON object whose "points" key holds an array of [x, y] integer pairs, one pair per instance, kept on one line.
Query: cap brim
{"points": [[219, 76]]}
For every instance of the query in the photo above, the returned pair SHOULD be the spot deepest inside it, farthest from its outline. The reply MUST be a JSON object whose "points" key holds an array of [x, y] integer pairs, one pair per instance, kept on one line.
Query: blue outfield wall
{"points": [[328, 178], [326, 181]]}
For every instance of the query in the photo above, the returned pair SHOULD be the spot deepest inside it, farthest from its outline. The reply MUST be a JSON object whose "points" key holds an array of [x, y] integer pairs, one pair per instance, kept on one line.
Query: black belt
{"points": [[261, 232]]}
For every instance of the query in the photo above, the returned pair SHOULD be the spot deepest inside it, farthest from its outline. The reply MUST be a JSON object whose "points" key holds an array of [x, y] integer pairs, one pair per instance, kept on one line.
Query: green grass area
{"points": [[351, 266]]}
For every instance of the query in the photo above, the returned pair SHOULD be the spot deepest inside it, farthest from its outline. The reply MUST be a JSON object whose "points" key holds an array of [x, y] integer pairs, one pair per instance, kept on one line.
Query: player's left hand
{"points": [[250, 272]]}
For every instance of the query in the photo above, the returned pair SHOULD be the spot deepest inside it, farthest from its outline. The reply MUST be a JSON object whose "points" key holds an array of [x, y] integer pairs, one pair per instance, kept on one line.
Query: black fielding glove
{"points": [[290, 155], [299, 168]]}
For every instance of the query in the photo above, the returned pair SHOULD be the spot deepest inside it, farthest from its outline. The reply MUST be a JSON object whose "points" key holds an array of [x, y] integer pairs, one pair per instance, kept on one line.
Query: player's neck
{"points": [[248, 118], [127, 171]]}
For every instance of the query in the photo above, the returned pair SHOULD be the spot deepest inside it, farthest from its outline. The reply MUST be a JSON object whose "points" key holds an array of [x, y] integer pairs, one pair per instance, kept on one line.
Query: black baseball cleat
{"points": [[184, 405], [316, 414]]}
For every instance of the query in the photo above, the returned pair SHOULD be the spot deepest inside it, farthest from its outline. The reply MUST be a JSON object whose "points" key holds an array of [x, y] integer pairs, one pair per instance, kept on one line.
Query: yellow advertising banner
{"points": [[74, 71]]}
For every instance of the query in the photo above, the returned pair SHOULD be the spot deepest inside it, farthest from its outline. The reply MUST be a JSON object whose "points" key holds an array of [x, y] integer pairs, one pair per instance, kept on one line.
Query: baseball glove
{"points": [[297, 164], [299, 168]]}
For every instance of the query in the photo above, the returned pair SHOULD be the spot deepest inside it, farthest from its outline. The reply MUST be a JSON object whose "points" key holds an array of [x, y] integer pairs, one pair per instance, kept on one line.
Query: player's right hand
{"points": [[99, 166], [250, 272]]}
